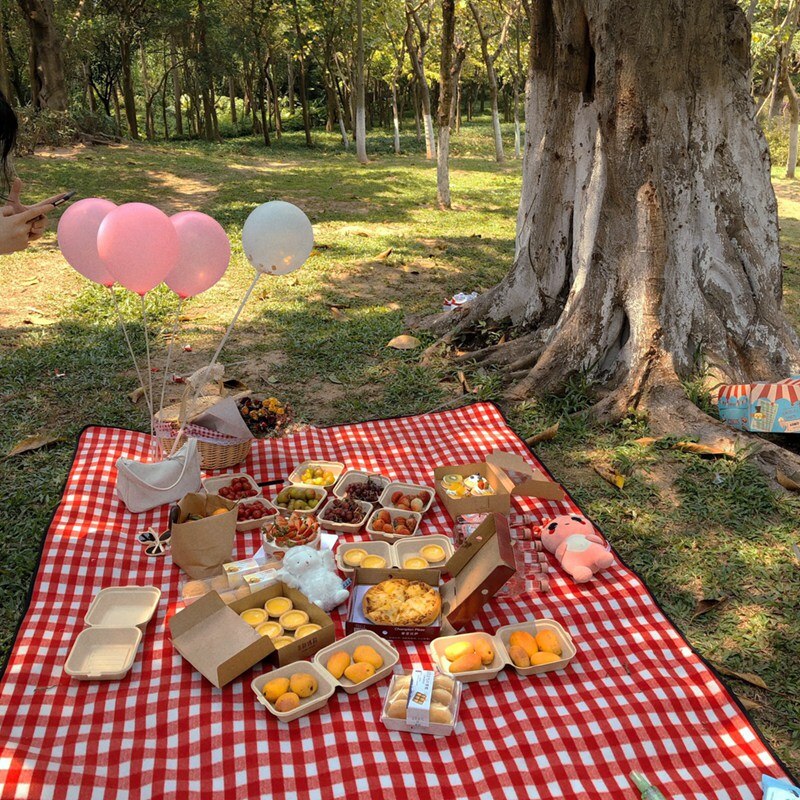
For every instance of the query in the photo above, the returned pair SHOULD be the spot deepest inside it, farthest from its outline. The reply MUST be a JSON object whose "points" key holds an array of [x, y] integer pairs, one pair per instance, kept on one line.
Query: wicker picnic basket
{"points": [[217, 451]]}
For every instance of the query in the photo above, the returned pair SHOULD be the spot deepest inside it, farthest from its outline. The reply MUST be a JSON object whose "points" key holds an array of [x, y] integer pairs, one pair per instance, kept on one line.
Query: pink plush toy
{"points": [[579, 549]]}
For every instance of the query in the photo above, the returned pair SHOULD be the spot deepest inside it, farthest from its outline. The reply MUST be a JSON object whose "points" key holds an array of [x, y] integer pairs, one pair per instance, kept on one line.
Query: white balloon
{"points": [[277, 238]]}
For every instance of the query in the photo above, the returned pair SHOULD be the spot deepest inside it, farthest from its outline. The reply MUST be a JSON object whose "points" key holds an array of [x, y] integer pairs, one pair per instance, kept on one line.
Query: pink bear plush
{"points": [[579, 549]]}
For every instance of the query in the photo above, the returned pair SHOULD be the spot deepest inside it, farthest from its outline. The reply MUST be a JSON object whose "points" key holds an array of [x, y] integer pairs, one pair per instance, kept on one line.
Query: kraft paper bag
{"points": [[200, 547]]}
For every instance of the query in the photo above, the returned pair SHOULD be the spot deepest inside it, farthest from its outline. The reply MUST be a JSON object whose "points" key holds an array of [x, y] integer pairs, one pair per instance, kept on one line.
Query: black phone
{"points": [[65, 198]]}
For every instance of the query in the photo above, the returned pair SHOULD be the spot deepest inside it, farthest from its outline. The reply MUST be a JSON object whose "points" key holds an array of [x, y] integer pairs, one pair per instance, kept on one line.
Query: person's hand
{"points": [[15, 228], [39, 225]]}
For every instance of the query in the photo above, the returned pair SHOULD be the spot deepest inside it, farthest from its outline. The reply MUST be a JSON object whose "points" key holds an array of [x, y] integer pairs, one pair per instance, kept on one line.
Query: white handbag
{"points": [[142, 486]]}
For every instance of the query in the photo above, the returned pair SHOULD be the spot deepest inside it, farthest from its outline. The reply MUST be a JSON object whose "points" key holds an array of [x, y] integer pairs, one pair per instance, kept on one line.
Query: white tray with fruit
{"points": [[317, 473], [302, 499], [284, 533]]}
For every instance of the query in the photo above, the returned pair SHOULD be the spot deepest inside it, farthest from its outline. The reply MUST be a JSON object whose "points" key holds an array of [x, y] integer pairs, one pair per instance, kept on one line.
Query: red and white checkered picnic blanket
{"points": [[635, 696]]}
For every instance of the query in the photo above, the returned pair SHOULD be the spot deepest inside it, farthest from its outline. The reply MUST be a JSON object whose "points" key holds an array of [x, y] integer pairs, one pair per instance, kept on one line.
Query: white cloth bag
{"points": [[142, 486]]}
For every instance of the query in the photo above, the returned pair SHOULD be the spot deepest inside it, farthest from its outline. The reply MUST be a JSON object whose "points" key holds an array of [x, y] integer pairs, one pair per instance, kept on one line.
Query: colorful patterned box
{"points": [[762, 407]]}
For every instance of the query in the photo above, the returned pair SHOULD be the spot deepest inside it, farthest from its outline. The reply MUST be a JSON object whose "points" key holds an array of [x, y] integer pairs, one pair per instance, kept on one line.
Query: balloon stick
{"points": [[149, 367], [121, 321], [169, 353], [214, 358]]}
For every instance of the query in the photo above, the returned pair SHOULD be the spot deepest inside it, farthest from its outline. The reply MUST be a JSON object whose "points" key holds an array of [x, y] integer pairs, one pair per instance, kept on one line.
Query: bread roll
{"points": [[397, 709], [442, 696], [440, 713]]}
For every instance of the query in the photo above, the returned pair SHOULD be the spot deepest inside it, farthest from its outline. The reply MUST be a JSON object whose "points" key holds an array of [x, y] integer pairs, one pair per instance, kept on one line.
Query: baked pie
{"points": [[398, 601]]}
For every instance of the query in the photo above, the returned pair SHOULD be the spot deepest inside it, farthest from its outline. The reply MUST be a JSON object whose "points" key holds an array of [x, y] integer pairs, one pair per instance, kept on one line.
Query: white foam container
{"points": [[349, 644], [117, 617], [322, 496], [395, 554], [406, 488], [499, 642], [336, 468], [393, 513], [359, 476], [213, 485], [344, 527]]}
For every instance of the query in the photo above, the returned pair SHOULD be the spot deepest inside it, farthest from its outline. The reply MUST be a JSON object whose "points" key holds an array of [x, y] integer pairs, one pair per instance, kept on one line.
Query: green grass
{"points": [[691, 528]]}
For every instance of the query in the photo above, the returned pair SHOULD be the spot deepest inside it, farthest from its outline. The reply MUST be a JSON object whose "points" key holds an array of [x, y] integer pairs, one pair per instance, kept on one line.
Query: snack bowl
{"points": [[252, 524], [320, 493], [533, 627], [389, 655], [344, 527], [408, 547], [277, 552], [377, 548], [325, 689], [360, 476], [213, 485], [487, 673], [406, 488], [393, 513], [336, 468]]}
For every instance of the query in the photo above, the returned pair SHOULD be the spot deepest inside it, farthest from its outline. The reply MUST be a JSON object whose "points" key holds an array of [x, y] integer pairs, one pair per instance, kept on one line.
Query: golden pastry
{"points": [[400, 602], [276, 606], [373, 562], [415, 562], [282, 641], [432, 553], [354, 557], [254, 616], [306, 630], [270, 628], [293, 619]]}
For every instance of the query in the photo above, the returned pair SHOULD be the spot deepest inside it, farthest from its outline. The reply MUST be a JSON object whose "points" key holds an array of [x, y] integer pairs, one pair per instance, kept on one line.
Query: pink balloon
{"points": [[77, 238], [139, 246], [204, 254]]}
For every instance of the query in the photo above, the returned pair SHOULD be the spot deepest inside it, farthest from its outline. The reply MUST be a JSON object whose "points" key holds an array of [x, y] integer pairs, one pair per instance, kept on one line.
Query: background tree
{"points": [[48, 85], [445, 102]]}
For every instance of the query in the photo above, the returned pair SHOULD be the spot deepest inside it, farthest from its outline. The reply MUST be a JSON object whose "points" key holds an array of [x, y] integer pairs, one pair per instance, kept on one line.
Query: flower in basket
{"points": [[267, 417], [292, 531]]}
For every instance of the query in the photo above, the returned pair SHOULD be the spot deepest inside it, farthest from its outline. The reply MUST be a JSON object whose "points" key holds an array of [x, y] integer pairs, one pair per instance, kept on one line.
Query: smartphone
{"points": [[65, 198]]}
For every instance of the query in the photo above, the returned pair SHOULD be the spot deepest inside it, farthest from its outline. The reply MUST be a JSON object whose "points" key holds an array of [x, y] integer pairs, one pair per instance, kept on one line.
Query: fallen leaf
{"points": [[384, 255], [707, 450], [787, 482], [136, 395], [272, 380], [33, 443], [337, 313], [235, 385], [462, 379], [747, 677], [334, 379], [749, 705], [404, 342], [544, 436], [645, 441], [707, 604], [31, 282], [610, 476]]}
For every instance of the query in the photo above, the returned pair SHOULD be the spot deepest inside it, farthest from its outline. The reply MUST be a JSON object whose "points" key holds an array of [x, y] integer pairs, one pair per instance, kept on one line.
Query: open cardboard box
{"points": [[479, 568], [220, 645], [508, 474]]}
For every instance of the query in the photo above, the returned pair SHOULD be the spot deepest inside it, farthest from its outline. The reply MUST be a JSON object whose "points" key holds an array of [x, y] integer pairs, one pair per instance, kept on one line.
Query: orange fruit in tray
{"points": [[273, 689], [543, 658], [359, 672], [369, 655], [524, 640], [485, 651], [519, 656], [548, 642], [469, 662], [303, 684], [287, 702], [338, 663]]}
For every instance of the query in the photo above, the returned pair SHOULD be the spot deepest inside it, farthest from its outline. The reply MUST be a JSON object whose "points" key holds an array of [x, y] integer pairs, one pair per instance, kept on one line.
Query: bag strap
{"points": [[192, 445]]}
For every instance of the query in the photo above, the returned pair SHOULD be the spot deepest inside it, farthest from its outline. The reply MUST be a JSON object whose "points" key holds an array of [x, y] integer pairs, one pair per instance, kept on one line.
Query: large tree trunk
{"points": [[128, 97], [176, 88], [49, 87], [647, 230], [417, 55], [794, 119], [445, 103], [361, 128]]}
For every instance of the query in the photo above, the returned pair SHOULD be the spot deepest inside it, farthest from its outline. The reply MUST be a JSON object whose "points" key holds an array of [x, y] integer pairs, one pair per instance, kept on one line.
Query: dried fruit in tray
{"points": [[367, 490], [410, 502], [265, 417], [297, 498], [292, 531], [250, 511], [238, 489], [344, 510], [399, 526]]}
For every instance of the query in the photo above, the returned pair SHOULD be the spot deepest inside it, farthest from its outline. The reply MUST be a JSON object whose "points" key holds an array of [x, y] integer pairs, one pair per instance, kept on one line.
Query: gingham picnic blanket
{"points": [[634, 697]]}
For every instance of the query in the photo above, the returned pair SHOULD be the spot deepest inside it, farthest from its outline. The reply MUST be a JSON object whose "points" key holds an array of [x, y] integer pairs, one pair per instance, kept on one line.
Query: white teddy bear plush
{"points": [[313, 572]]}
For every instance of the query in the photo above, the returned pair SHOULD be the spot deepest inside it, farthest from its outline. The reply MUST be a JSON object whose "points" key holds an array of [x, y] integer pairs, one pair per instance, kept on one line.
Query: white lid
{"points": [[123, 606]]}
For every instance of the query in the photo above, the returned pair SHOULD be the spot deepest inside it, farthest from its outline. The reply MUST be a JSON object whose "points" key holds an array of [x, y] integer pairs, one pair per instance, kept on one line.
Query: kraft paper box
{"points": [[761, 407], [200, 547], [508, 474], [220, 645], [479, 568]]}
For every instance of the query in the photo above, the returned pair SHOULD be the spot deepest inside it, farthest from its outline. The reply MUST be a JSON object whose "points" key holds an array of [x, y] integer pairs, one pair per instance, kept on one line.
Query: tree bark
{"points": [[50, 88], [177, 94], [149, 122], [232, 96], [417, 54], [647, 229], [128, 96], [303, 86], [275, 99], [361, 129], [445, 103], [794, 119], [290, 83]]}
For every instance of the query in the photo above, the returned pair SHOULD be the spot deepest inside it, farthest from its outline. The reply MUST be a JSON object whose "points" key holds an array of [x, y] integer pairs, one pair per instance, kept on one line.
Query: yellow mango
{"points": [[484, 649], [543, 657], [367, 654], [458, 649], [273, 689], [524, 640], [519, 656], [303, 684], [288, 701], [548, 642], [338, 663], [359, 672], [469, 662]]}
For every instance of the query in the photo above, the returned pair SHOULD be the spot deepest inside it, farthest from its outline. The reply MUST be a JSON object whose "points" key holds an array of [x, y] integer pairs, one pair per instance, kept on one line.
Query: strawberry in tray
{"points": [[292, 531]]}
